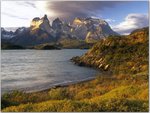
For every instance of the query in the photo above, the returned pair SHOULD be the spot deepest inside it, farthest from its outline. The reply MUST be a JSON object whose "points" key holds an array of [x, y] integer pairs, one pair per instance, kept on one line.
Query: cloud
{"points": [[110, 20], [13, 16], [18, 13], [26, 3], [70, 9], [131, 22]]}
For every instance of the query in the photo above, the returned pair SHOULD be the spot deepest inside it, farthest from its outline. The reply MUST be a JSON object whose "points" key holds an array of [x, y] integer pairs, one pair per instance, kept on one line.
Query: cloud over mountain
{"points": [[70, 9], [20, 13]]}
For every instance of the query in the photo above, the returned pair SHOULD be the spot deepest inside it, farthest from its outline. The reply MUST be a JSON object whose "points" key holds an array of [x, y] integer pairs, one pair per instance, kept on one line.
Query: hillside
{"points": [[125, 54], [122, 85], [47, 46], [10, 46], [74, 44]]}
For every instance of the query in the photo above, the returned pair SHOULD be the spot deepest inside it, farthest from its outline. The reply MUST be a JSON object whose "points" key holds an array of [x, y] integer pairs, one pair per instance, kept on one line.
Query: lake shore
{"points": [[65, 84], [55, 86]]}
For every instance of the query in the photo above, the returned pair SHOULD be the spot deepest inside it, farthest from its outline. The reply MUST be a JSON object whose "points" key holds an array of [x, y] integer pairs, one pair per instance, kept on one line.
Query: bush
{"points": [[58, 94], [85, 94], [122, 92], [120, 105]]}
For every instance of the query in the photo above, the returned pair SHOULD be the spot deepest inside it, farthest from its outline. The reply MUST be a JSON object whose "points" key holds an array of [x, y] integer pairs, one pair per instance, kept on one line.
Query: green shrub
{"points": [[121, 105], [122, 92], [58, 94], [85, 94]]}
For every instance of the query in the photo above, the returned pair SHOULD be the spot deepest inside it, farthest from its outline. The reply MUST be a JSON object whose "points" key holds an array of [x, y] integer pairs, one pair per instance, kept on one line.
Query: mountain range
{"points": [[41, 31]]}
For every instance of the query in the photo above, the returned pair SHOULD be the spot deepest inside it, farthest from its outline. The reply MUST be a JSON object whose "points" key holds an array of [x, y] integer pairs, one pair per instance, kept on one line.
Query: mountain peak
{"points": [[57, 24], [57, 20], [36, 19], [45, 17], [37, 22], [88, 29]]}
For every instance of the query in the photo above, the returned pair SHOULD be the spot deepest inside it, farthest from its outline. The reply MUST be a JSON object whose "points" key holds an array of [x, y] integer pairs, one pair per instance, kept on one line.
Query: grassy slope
{"points": [[124, 87]]}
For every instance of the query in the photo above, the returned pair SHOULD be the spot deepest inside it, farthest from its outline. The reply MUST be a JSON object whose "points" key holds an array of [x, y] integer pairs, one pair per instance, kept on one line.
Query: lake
{"points": [[36, 70]]}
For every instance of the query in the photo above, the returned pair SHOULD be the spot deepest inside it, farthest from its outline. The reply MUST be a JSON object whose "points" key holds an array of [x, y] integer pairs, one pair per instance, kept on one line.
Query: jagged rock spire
{"points": [[45, 17]]}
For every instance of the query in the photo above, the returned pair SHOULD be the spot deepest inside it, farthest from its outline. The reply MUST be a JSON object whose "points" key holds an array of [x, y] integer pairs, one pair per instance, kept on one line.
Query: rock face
{"points": [[91, 29], [40, 31], [42, 24], [57, 24]]}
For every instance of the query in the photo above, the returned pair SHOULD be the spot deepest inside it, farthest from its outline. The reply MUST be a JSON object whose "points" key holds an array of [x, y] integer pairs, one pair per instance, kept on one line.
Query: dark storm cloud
{"points": [[71, 9]]}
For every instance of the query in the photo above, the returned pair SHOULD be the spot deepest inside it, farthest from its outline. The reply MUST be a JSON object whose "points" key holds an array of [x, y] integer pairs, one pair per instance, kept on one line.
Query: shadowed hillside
{"points": [[10, 46]]}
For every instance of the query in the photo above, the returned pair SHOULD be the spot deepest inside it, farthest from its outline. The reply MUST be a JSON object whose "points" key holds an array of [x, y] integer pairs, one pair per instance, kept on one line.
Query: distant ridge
{"points": [[41, 31]]}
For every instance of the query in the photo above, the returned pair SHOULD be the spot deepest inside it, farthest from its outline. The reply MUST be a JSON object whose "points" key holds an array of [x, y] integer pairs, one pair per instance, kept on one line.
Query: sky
{"points": [[122, 16]]}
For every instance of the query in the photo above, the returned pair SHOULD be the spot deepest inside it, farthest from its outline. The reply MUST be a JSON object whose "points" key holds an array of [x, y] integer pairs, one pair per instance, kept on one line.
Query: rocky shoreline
{"points": [[97, 64]]}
